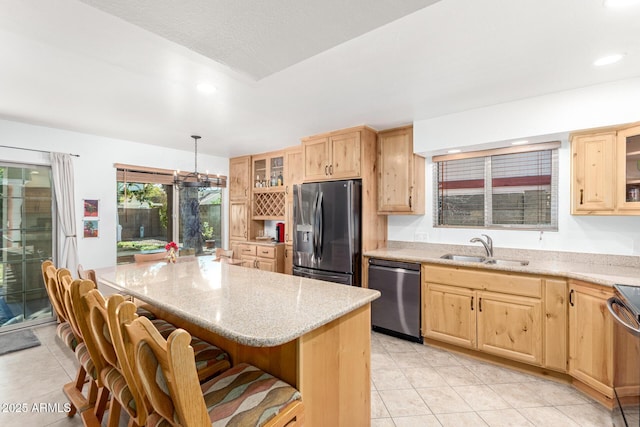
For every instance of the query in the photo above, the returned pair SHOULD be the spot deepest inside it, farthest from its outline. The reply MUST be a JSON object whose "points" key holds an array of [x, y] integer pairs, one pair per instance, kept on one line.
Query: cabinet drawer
{"points": [[249, 250], [266, 252], [489, 281]]}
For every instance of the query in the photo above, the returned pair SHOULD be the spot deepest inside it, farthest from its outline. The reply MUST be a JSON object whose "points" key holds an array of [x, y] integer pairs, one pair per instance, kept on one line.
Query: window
{"points": [[504, 188], [153, 212]]}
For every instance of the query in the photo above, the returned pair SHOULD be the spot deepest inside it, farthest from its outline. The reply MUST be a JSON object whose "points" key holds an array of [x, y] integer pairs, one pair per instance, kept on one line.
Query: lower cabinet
{"points": [[515, 316], [505, 325], [591, 336], [288, 259], [510, 326], [262, 257]]}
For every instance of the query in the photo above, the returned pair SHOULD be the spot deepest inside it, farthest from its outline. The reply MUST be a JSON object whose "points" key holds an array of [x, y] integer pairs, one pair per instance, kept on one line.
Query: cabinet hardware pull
{"points": [[480, 305], [410, 207], [571, 297], [330, 169], [471, 303], [326, 169], [264, 252], [286, 190], [581, 195], [286, 253]]}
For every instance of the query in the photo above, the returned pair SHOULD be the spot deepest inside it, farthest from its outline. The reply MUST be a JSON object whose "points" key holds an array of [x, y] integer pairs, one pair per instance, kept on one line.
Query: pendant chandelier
{"points": [[195, 179]]}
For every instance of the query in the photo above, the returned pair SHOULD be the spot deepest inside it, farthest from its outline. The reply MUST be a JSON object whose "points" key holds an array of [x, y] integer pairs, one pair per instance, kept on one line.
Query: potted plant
{"points": [[207, 234]]}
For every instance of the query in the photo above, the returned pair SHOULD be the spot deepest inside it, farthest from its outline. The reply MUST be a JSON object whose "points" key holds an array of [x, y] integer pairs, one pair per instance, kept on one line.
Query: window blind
{"points": [[504, 190], [130, 173]]}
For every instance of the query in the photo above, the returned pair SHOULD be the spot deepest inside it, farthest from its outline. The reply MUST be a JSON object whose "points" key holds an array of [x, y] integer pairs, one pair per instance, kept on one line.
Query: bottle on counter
{"points": [[273, 179], [258, 183], [280, 179]]}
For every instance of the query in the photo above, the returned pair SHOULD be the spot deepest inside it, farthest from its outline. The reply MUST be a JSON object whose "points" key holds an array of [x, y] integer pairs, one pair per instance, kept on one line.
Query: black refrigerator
{"points": [[326, 238]]}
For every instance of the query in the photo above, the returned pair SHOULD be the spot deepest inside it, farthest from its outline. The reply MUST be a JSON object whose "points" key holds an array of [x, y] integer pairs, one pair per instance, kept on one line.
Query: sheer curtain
{"points": [[63, 184]]}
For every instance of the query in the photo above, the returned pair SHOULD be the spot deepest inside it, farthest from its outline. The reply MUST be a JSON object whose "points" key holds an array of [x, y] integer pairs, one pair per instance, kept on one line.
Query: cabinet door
{"points": [[556, 325], [288, 259], [395, 171], [239, 177], [591, 337], [628, 153], [238, 220], [293, 170], [450, 315], [248, 261], [288, 221], [593, 173], [510, 326], [345, 155], [266, 264], [315, 155]]}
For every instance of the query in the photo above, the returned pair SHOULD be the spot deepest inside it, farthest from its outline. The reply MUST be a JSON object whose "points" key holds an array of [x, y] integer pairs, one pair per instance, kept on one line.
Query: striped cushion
{"points": [[207, 355], [155, 420], [82, 354], [117, 384], [145, 313], [65, 333], [246, 396]]}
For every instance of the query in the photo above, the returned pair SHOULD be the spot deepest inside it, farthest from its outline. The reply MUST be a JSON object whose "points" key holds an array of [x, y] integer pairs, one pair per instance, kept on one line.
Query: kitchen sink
{"points": [[485, 260], [507, 262], [466, 258]]}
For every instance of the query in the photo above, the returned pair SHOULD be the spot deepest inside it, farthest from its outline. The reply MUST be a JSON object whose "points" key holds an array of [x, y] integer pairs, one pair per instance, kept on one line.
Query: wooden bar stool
{"points": [[241, 396]]}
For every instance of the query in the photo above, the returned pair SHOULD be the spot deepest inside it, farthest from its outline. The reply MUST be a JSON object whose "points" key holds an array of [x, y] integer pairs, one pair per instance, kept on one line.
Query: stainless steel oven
{"points": [[625, 309]]}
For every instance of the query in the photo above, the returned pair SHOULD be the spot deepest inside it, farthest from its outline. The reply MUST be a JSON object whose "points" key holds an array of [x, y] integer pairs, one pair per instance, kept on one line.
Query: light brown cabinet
{"points": [[606, 171], [288, 259], [400, 173], [293, 176], [493, 312], [332, 157], [593, 173], [240, 177], [591, 336], [262, 257], [238, 220]]}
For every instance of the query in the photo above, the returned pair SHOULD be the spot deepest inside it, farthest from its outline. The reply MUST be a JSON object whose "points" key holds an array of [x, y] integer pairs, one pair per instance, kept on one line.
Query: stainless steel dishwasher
{"points": [[397, 311]]}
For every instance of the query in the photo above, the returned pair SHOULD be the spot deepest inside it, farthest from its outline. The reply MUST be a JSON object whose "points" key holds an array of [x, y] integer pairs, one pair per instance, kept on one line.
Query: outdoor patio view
{"points": [[146, 219]]}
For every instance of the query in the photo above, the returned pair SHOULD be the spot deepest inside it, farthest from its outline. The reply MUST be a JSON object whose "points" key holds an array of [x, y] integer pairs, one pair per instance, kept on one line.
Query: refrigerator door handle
{"points": [[315, 227], [320, 227]]}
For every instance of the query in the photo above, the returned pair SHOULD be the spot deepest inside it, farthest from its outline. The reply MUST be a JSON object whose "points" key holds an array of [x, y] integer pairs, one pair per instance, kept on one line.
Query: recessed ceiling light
{"points": [[522, 142], [620, 3], [453, 151], [206, 88], [609, 59]]}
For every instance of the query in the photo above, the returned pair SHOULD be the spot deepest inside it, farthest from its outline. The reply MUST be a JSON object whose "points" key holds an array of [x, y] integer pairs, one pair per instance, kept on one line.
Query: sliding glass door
{"points": [[26, 236]]}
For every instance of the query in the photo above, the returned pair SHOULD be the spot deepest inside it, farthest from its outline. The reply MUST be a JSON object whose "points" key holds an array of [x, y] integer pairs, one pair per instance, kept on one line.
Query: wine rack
{"points": [[268, 205]]}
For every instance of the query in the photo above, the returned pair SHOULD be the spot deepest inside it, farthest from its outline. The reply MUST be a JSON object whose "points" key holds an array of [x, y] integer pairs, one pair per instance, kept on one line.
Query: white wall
{"points": [[560, 113], [95, 175]]}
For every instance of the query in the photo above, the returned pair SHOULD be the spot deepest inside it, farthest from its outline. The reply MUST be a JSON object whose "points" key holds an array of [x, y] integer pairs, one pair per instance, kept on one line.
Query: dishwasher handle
{"points": [[394, 264]]}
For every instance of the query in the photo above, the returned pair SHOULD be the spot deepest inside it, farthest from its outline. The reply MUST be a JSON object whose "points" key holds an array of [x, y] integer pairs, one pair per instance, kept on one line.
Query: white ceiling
{"points": [[69, 65]]}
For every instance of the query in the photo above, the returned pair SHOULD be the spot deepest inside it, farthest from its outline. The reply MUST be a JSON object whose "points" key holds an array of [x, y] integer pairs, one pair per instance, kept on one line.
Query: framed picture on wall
{"points": [[90, 208], [90, 228]]}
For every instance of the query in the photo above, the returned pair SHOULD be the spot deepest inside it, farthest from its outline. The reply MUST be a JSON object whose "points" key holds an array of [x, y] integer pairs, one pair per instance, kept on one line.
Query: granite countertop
{"points": [[595, 268], [246, 305]]}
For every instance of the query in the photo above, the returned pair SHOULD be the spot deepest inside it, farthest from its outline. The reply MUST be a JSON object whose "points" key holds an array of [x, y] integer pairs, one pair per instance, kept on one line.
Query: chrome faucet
{"points": [[488, 245]]}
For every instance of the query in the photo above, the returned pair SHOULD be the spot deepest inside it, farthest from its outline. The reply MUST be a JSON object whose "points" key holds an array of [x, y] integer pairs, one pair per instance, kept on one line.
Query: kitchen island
{"points": [[312, 334]]}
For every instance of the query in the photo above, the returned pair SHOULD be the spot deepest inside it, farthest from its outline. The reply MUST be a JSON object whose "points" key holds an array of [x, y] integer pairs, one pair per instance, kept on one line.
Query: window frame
{"points": [[487, 155]]}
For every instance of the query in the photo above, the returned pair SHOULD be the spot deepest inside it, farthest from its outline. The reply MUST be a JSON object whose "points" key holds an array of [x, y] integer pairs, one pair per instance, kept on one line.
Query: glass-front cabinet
{"points": [[629, 169], [268, 170]]}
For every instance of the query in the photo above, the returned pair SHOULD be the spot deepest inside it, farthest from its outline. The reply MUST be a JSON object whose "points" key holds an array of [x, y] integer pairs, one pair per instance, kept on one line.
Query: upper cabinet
{"points": [[332, 157], [268, 170], [240, 177], [628, 147], [401, 173], [606, 172]]}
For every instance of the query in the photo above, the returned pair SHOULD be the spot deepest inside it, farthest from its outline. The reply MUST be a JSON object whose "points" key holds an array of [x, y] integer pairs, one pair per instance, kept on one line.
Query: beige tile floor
{"points": [[417, 385], [412, 385]]}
